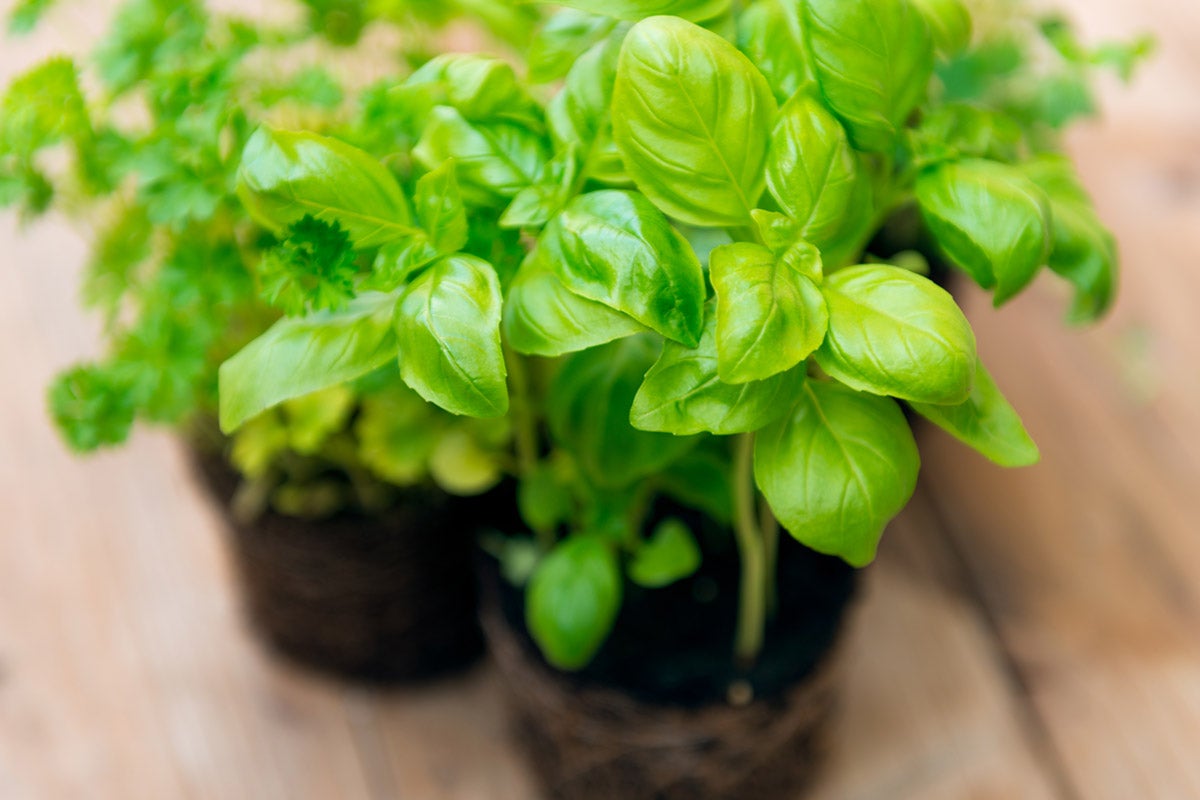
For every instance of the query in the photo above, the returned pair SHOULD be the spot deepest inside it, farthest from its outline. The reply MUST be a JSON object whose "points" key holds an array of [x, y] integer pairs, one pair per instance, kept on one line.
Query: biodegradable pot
{"points": [[662, 714], [380, 599]]}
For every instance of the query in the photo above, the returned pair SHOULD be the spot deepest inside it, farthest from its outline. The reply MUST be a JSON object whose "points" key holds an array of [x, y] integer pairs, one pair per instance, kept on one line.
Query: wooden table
{"points": [[1025, 634]]}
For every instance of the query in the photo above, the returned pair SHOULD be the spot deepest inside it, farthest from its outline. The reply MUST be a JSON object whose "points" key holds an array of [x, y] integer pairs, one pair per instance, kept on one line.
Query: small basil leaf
{"points": [[894, 332], [693, 123], [949, 24], [1084, 251], [588, 408], [669, 555], [989, 219], [987, 422], [579, 115], [544, 498], [285, 176], [959, 130], [480, 88], [837, 468], [695, 10], [461, 465], [771, 34], [440, 209], [562, 40], [616, 248], [572, 600], [543, 318], [299, 355], [873, 59], [770, 313], [811, 169], [448, 327], [682, 393], [495, 159]]}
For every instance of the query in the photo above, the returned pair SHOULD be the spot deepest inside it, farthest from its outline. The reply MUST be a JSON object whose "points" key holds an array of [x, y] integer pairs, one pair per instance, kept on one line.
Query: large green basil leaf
{"points": [[481, 88], [285, 176], [572, 600], [989, 219], [873, 59], [562, 40], [588, 409], [543, 318], [896, 333], [811, 169], [495, 159], [949, 23], [694, 121], [771, 34], [682, 393], [1084, 252], [448, 327], [579, 115], [770, 313], [299, 355], [694, 10], [837, 468], [987, 422], [616, 248]]}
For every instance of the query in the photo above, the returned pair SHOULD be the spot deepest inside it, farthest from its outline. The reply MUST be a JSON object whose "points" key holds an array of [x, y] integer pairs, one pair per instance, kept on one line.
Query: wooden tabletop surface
{"points": [[1025, 634]]}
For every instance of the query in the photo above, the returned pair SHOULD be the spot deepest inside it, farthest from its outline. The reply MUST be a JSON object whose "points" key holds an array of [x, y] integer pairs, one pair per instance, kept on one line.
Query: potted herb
{"points": [[352, 554]]}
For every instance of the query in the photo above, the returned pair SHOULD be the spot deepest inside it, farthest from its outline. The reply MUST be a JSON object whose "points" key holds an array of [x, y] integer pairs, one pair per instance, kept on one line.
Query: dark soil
{"points": [[381, 599]]}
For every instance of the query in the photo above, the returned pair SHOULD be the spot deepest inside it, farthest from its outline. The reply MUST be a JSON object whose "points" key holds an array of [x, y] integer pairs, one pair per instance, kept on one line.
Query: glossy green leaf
{"points": [[669, 555], [1083, 250], [694, 120], [989, 219], [873, 60], [572, 600], [494, 159], [588, 409], [949, 24], [811, 169], [448, 328], [959, 130], [285, 176], [616, 248], [481, 88], [579, 115], [299, 355], [682, 393], [770, 313], [837, 468], [544, 318], [893, 332], [562, 40], [771, 34], [987, 422], [440, 209], [695, 10]]}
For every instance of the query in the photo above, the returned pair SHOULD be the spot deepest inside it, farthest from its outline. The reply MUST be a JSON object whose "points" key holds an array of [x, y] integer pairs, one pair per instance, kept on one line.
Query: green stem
{"points": [[525, 432], [752, 605], [770, 531]]}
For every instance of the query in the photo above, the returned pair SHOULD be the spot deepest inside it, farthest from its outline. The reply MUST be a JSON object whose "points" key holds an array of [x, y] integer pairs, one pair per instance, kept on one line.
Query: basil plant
{"points": [[181, 273], [648, 252]]}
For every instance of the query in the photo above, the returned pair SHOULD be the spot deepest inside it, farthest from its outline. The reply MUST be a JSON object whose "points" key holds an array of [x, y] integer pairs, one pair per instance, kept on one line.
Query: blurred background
{"points": [[1031, 633]]}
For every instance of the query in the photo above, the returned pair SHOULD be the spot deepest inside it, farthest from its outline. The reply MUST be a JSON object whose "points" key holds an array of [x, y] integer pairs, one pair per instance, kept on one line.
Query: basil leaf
{"points": [[811, 169], [893, 332], [958, 130], [299, 355], [770, 313], [495, 159], [572, 600], [616, 248], [949, 24], [771, 34], [701, 479], [579, 115], [562, 40], [669, 555], [1084, 252], [682, 393], [695, 114], [989, 219], [440, 209], [285, 176], [544, 318], [873, 59], [987, 422], [837, 468], [694, 10], [588, 408], [448, 327], [482, 89]]}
